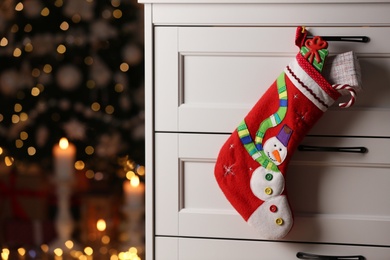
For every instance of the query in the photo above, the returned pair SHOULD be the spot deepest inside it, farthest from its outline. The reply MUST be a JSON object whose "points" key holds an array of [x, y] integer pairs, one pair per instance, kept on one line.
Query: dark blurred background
{"points": [[73, 69]]}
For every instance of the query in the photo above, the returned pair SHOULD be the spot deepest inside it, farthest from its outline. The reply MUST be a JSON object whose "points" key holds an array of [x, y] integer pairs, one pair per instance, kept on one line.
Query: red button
{"points": [[273, 208]]}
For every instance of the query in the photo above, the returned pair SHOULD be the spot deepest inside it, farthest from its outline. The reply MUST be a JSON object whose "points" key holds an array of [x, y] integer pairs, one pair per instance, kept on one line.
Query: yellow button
{"points": [[279, 221], [268, 191]]}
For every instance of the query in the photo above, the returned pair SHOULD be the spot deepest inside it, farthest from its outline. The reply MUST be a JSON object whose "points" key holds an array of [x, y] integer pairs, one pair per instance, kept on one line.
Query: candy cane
{"points": [[340, 88]]}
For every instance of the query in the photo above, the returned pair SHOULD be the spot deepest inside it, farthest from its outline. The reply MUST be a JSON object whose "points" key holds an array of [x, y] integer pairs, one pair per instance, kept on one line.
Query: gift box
{"points": [[19, 233], [23, 208], [95, 207], [23, 196]]}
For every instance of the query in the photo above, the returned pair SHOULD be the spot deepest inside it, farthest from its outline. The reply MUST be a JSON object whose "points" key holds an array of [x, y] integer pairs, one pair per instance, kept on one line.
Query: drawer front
{"points": [[211, 249], [335, 197], [208, 78]]}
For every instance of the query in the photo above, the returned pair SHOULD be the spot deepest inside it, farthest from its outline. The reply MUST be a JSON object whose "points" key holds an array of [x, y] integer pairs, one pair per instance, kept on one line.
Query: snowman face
{"points": [[275, 150]]}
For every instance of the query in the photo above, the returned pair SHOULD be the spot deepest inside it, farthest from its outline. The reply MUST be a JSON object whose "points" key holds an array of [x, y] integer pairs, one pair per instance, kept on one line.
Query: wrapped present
{"points": [[28, 232], [23, 196], [96, 208], [315, 51]]}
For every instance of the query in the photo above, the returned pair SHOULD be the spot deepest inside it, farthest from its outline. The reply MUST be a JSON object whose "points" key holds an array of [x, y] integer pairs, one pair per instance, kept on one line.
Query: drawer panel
{"points": [[208, 78], [335, 197], [211, 249]]}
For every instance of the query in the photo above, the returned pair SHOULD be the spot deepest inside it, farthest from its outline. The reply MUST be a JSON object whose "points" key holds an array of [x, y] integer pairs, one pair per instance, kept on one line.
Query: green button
{"points": [[269, 176]]}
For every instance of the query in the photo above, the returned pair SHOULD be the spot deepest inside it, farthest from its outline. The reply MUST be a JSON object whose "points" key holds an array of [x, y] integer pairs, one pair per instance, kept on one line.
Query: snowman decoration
{"points": [[273, 217]]}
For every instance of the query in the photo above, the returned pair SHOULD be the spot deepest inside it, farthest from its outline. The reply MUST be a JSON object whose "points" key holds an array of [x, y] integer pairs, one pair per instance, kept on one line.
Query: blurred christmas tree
{"points": [[74, 69]]}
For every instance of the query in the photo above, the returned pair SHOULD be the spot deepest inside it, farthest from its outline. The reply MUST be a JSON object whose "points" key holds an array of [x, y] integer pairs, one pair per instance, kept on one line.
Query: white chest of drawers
{"points": [[207, 63]]}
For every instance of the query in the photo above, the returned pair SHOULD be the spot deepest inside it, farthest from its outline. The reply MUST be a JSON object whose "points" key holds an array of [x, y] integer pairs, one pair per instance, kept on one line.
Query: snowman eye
{"points": [[274, 145], [280, 149]]}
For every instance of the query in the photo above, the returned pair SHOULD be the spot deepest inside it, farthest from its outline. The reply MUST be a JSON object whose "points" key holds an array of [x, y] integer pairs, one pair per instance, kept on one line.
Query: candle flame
{"points": [[101, 225], [134, 181], [64, 143]]}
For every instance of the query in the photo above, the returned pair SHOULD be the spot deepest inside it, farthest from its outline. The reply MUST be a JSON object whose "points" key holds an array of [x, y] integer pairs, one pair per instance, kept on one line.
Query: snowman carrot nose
{"points": [[276, 155]]}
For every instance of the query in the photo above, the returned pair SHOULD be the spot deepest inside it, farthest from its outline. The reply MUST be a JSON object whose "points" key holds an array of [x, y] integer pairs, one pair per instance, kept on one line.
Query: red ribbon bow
{"points": [[314, 45]]}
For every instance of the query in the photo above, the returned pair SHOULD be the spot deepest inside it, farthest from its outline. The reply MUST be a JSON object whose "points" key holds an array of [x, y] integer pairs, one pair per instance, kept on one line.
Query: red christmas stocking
{"points": [[252, 164]]}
